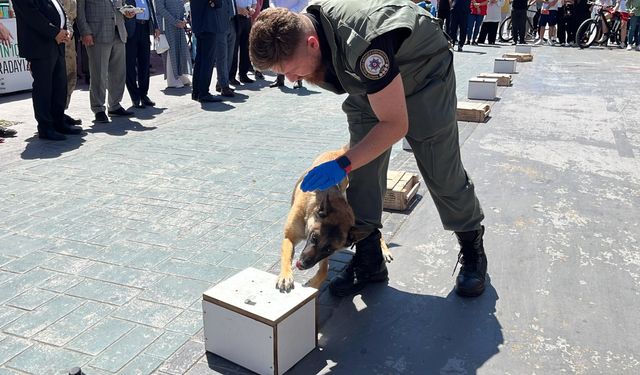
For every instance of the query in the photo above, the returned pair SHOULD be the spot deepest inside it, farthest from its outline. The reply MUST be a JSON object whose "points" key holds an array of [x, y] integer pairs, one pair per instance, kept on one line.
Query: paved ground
{"points": [[108, 240]]}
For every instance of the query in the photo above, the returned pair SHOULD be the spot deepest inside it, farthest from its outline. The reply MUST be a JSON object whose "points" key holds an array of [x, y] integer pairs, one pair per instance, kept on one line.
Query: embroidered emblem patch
{"points": [[374, 64]]}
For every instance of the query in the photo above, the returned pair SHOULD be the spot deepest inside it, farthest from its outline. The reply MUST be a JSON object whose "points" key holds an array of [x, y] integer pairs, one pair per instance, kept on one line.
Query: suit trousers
{"points": [[49, 94], [459, 26], [488, 29], [518, 25], [242, 25], [72, 68], [203, 66], [224, 46], [138, 49], [108, 70]]}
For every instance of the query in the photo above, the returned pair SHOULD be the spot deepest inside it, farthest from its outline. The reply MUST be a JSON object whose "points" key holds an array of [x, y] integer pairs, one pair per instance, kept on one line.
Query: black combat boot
{"points": [[366, 266], [473, 270]]}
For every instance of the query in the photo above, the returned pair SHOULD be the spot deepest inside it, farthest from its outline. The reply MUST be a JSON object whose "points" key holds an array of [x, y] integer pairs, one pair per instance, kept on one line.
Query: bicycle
{"points": [[590, 30], [505, 33]]}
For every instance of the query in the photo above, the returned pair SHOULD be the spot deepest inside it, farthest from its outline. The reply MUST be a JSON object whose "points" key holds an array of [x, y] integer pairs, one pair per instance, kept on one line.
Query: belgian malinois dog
{"points": [[326, 221]]}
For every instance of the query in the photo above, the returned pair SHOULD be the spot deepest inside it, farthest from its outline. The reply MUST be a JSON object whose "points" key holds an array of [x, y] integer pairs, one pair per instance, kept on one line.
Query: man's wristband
{"points": [[344, 163]]}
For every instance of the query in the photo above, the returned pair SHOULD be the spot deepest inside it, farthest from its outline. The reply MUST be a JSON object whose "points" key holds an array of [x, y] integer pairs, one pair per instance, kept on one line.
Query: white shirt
{"points": [[63, 19], [494, 13]]}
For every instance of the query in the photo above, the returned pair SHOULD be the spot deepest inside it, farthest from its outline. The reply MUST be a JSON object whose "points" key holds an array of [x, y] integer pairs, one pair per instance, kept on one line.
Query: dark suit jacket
{"points": [[131, 24], [38, 23], [205, 19]]}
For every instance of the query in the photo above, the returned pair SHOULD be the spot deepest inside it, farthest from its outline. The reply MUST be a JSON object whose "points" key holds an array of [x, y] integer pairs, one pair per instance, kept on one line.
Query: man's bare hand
{"points": [[87, 40], [181, 24], [129, 14], [5, 35], [156, 33], [62, 37]]}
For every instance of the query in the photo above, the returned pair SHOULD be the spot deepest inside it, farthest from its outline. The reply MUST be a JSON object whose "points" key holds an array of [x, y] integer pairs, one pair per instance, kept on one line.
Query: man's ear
{"points": [[313, 42]]}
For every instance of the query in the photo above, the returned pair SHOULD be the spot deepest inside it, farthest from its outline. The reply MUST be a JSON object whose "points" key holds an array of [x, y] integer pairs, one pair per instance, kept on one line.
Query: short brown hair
{"points": [[274, 37]]}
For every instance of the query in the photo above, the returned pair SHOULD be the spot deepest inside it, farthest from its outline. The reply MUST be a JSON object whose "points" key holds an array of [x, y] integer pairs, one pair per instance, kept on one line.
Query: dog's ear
{"points": [[325, 207], [351, 237]]}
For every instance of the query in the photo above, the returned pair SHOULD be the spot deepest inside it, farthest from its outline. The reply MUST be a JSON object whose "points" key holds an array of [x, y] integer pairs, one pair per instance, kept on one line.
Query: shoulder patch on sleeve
{"points": [[374, 64]]}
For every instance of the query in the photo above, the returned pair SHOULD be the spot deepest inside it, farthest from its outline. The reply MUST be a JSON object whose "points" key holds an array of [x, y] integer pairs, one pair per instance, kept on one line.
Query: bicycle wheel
{"points": [[505, 30], [587, 34]]}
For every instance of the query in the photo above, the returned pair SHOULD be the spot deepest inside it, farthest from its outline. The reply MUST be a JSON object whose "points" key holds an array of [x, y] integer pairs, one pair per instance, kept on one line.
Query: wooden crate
{"points": [[473, 112], [503, 78], [249, 322], [520, 57], [401, 188]]}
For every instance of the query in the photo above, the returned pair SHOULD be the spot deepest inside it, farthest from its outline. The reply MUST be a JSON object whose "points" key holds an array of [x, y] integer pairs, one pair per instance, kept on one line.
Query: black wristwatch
{"points": [[344, 163]]}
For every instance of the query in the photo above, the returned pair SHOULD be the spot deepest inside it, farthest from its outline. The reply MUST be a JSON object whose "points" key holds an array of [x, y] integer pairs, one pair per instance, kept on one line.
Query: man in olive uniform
{"points": [[71, 8], [393, 60]]}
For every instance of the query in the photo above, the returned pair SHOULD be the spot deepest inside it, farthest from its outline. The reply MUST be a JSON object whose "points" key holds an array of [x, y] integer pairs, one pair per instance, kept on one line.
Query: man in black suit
{"points": [[138, 48], [42, 31]]}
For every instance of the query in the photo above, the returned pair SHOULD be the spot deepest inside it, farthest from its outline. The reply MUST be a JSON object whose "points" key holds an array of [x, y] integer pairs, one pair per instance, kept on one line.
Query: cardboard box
{"points": [[523, 48], [504, 65], [483, 88], [504, 79], [401, 189], [249, 322], [520, 57], [473, 112]]}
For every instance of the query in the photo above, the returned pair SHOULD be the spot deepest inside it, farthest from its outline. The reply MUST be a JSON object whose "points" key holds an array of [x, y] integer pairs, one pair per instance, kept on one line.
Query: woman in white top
{"points": [[491, 21]]}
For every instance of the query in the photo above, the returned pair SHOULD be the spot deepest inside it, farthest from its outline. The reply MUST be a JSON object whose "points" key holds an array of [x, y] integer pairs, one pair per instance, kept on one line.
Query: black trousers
{"points": [[459, 22], [137, 60], [49, 94], [242, 25], [203, 66], [490, 30], [567, 27], [518, 25]]}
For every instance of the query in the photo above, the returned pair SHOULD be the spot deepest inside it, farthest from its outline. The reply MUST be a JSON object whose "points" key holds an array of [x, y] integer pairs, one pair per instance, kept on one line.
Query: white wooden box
{"points": [[504, 65], [249, 322], [483, 88], [523, 48]]}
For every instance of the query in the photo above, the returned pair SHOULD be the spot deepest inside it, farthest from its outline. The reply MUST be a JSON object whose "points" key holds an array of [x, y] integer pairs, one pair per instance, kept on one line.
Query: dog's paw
{"points": [[314, 283], [388, 257], [285, 283]]}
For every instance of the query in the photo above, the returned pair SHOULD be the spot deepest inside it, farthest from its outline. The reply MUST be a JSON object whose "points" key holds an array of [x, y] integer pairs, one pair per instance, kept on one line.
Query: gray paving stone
{"points": [[176, 291], [6, 276], [166, 344], [241, 260], [20, 283], [45, 359], [78, 249], [31, 299], [194, 270], [188, 322], [9, 314], [183, 359], [76, 322], [12, 346], [148, 313], [60, 282], [4, 260], [35, 321], [142, 365], [127, 348], [104, 292], [100, 336], [27, 262], [18, 245], [121, 275], [6, 371]]}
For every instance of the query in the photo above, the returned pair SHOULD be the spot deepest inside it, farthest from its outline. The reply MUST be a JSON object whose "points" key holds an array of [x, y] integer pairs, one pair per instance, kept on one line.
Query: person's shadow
{"points": [[389, 331], [44, 149], [118, 127]]}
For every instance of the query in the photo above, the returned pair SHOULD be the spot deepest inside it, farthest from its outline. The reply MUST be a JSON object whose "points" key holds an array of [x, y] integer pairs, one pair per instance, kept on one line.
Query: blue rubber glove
{"points": [[323, 176]]}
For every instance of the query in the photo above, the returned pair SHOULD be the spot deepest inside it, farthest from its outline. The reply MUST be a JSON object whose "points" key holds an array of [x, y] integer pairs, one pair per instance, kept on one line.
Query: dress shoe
{"points": [[51, 135], [185, 80], [120, 112], [148, 102], [234, 81], [245, 79], [72, 121], [277, 83], [138, 104], [208, 98], [101, 117], [226, 91], [194, 97], [298, 84], [258, 74], [68, 129], [218, 88]]}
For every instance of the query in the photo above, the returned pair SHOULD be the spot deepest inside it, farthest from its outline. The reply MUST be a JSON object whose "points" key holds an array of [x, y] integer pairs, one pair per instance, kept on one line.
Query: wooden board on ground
{"points": [[504, 79], [401, 189], [520, 57], [473, 112]]}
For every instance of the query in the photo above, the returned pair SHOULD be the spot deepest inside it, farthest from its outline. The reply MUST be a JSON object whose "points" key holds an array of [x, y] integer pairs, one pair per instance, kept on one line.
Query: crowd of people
{"points": [[202, 34]]}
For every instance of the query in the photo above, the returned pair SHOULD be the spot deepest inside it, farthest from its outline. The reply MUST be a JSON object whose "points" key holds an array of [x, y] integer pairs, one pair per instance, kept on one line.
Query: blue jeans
{"points": [[634, 31], [473, 26]]}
